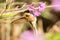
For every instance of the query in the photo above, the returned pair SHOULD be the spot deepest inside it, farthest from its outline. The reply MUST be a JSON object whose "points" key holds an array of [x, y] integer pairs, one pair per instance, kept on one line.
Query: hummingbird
{"points": [[32, 20]]}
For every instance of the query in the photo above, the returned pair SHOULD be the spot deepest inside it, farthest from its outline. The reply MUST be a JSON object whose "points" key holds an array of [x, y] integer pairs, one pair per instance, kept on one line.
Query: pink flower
{"points": [[56, 2], [38, 10], [29, 35], [41, 6]]}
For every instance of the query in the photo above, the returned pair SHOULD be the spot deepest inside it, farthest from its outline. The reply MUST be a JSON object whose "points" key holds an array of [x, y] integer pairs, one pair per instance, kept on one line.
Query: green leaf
{"points": [[54, 36], [49, 36], [7, 15]]}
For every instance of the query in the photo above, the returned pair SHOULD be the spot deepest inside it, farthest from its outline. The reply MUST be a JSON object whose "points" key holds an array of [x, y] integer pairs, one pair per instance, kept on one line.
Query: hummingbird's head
{"points": [[29, 17]]}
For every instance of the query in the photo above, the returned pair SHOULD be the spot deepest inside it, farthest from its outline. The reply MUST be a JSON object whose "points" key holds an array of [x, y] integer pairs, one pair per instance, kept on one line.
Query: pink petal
{"points": [[29, 35], [42, 6], [36, 13], [56, 2], [30, 8]]}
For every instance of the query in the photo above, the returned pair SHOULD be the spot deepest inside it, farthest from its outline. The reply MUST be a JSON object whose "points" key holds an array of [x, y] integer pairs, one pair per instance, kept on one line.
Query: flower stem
{"points": [[52, 6]]}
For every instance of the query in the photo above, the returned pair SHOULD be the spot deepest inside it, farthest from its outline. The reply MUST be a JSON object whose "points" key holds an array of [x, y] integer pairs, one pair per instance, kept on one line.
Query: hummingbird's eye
{"points": [[27, 15]]}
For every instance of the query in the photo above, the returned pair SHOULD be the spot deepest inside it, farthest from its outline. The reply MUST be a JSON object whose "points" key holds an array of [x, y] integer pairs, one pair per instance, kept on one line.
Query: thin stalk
{"points": [[52, 6], [40, 26], [2, 29], [34, 27], [8, 29]]}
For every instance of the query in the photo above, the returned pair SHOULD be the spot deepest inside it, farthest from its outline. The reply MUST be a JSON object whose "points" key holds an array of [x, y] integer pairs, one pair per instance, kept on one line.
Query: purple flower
{"points": [[30, 8], [38, 10], [41, 6], [56, 2], [29, 35]]}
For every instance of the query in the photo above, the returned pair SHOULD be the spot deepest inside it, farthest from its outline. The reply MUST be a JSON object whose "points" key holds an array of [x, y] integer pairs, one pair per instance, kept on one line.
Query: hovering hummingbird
{"points": [[32, 20]]}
